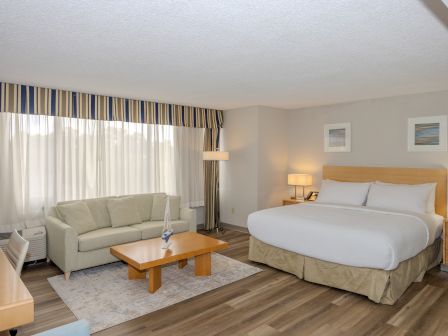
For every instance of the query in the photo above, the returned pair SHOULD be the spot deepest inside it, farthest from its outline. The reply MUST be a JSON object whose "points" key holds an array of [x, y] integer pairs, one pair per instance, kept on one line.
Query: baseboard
{"points": [[235, 227], [444, 267]]}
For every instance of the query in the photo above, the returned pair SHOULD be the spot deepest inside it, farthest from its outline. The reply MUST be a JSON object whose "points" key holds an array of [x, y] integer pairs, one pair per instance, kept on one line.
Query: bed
{"points": [[371, 251]]}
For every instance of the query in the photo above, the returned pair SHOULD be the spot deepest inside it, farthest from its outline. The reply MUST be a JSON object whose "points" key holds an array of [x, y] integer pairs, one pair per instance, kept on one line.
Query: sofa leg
{"points": [[67, 275]]}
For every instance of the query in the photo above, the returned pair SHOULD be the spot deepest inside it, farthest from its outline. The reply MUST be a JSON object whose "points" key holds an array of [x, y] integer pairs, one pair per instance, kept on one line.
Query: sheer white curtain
{"points": [[49, 159]]}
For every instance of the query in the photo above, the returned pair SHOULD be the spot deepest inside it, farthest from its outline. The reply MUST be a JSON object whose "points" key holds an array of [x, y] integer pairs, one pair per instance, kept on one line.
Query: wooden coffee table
{"points": [[148, 255]]}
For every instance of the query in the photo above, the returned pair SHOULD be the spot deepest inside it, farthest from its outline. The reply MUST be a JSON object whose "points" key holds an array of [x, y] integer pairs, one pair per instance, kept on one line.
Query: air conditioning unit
{"points": [[37, 236]]}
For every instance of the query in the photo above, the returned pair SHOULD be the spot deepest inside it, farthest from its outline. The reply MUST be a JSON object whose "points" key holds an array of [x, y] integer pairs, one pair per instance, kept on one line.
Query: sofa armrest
{"points": [[189, 215], [62, 243]]}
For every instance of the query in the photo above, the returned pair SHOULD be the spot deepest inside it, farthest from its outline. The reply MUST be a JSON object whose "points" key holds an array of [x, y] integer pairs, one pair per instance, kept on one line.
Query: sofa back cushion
{"points": [[159, 204], [98, 209], [175, 207], [144, 204], [123, 211], [78, 216]]}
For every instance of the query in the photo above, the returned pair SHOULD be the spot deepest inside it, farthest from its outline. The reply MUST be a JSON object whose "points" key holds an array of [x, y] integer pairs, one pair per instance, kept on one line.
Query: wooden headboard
{"points": [[394, 175]]}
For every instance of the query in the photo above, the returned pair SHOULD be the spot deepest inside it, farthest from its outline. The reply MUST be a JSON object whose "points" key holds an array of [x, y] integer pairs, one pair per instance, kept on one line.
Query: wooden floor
{"points": [[268, 303]]}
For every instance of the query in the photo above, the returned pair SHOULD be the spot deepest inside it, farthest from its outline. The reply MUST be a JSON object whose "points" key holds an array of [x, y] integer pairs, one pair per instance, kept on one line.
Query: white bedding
{"points": [[354, 236]]}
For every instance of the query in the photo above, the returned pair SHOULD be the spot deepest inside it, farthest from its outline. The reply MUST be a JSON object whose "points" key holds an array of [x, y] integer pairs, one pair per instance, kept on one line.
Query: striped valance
{"points": [[27, 99]]}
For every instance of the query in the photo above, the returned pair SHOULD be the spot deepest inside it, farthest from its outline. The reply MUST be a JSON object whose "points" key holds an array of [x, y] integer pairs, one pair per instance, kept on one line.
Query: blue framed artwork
{"points": [[427, 134]]}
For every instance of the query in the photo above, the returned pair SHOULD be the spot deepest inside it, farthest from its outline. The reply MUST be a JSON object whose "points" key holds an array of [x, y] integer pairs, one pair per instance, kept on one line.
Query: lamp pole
{"points": [[216, 156]]}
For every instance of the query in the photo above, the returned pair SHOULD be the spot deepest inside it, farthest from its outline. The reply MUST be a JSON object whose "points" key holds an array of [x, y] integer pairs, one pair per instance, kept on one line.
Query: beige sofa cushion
{"points": [[149, 229], [154, 229], [180, 226], [78, 216], [107, 237], [159, 204], [123, 211], [144, 204], [175, 207], [98, 209]]}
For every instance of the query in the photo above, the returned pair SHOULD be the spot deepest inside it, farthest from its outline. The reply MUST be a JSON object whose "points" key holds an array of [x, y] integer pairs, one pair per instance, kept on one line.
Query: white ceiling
{"points": [[226, 54]]}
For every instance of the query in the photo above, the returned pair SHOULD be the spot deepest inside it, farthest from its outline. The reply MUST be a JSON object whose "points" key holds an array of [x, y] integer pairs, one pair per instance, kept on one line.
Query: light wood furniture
{"points": [[394, 175], [16, 302], [290, 201], [148, 255]]}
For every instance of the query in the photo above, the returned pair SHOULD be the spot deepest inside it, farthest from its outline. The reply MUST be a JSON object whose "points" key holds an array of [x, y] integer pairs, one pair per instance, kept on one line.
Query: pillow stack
{"points": [[419, 198]]}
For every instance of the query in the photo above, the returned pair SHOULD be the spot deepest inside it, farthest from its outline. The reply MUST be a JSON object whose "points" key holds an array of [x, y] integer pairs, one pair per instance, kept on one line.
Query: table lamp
{"points": [[302, 180]]}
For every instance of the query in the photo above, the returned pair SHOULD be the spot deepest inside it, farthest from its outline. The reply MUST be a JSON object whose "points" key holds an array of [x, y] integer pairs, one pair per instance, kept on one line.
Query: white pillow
{"points": [[347, 193], [400, 197], [431, 205]]}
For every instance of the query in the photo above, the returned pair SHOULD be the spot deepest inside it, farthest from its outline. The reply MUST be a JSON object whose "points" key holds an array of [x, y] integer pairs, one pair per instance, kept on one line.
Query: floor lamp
{"points": [[216, 156]]}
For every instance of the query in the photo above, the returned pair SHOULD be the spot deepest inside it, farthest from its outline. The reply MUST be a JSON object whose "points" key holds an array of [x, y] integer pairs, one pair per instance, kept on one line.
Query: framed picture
{"points": [[427, 134], [337, 137]]}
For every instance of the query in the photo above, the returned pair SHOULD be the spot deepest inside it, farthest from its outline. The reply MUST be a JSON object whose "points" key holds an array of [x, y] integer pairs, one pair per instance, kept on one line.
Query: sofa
{"points": [[80, 233]]}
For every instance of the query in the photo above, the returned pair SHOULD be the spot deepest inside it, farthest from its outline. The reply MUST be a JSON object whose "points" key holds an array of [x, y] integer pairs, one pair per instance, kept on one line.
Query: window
{"points": [[49, 159]]}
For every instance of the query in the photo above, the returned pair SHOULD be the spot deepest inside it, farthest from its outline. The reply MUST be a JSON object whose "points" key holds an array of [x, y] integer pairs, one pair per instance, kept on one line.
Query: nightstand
{"points": [[290, 201]]}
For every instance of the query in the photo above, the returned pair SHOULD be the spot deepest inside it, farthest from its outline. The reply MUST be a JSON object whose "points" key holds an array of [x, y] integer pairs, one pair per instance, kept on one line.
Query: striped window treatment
{"points": [[59, 145], [26, 99], [211, 183]]}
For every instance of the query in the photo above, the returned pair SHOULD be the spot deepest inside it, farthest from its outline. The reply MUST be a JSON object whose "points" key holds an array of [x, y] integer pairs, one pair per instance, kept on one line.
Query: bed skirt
{"points": [[378, 285]]}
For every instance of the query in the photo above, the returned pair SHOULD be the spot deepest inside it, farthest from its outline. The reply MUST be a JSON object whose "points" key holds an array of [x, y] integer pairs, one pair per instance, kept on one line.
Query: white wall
{"points": [[272, 157], [239, 184], [254, 177], [266, 144], [379, 133]]}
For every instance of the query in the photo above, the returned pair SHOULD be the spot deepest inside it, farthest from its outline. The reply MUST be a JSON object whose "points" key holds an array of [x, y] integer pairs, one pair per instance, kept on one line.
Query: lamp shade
{"points": [[300, 179], [215, 156]]}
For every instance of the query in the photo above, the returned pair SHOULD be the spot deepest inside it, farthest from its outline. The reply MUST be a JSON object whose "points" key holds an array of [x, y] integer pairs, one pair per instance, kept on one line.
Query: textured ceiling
{"points": [[226, 54]]}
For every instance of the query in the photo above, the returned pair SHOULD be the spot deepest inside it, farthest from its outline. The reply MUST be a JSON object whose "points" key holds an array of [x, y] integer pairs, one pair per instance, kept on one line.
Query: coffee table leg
{"points": [[203, 264], [155, 279], [134, 273], [182, 263]]}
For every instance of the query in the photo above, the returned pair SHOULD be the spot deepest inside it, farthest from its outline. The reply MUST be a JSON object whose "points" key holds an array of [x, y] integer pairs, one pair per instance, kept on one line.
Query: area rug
{"points": [[105, 297]]}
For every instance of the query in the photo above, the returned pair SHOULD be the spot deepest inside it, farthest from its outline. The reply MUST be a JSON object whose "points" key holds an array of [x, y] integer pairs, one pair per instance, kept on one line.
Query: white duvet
{"points": [[354, 236]]}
